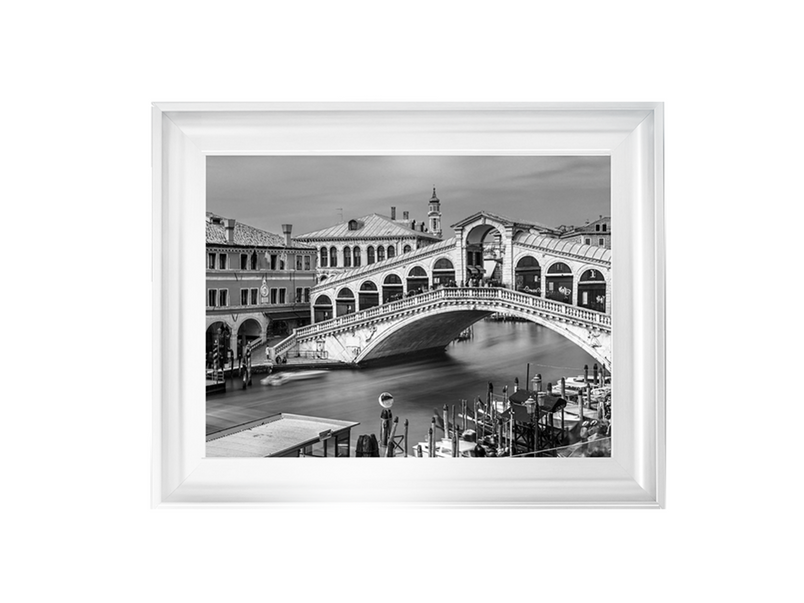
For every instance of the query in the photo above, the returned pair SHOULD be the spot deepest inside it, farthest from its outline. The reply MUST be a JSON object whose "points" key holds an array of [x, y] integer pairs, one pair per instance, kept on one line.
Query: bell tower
{"points": [[434, 214]]}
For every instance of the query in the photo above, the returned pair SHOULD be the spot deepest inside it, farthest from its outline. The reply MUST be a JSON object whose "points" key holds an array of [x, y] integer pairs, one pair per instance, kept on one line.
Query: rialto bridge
{"points": [[423, 299]]}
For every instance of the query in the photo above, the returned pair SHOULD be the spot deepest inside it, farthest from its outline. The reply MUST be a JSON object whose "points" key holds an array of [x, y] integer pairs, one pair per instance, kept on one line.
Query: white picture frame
{"points": [[184, 134]]}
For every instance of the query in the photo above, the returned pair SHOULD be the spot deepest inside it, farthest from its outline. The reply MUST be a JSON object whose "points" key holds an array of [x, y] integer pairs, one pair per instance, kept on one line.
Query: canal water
{"points": [[496, 352]]}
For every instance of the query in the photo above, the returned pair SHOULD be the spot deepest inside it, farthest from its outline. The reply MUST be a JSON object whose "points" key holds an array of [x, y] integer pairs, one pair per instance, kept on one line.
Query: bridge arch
{"points": [[484, 249], [439, 326]]}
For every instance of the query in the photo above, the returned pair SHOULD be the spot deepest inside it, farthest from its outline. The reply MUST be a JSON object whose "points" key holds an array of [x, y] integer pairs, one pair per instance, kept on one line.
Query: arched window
{"points": [[324, 257], [356, 256], [369, 255], [380, 253], [391, 251], [333, 257], [406, 249], [347, 257]]}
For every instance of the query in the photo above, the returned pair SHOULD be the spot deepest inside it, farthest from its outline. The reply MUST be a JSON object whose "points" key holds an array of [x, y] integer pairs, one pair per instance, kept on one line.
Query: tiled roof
{"points": [[560, 246], [371, 226], [247, 236]]}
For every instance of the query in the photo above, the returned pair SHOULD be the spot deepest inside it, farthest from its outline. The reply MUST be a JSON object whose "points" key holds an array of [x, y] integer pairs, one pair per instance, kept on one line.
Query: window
{"points": [[254, 261], [212, 297], [307, 262], [347, 257], [588, 241], [604, 228], [211, 264], [324, 257], [298, 262], [597, 227], [244, 297], [254, 297], [282, 262], [391, 251], [273, 261], [282, 293], [356, 256], [333, 257], [601, 242], [406, 249], [298, 295], [380, 253], [273, 296], [243, 261], [370, 255], [222, 261], [223, 297], [307, 295]]}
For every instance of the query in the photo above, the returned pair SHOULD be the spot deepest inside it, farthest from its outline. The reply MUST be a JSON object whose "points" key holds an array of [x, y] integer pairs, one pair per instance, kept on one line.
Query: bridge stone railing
{"points": [[556, 309]]}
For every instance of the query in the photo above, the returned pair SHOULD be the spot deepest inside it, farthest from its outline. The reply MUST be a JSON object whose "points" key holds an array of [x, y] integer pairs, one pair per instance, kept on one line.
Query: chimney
{"points": [[393, 212], [286, 229], [406, 216], [413, 225], [229, 227]]}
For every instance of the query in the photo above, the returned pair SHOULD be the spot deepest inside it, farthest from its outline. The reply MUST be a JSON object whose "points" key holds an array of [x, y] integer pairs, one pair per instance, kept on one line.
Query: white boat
{"points": [[285, 376]]}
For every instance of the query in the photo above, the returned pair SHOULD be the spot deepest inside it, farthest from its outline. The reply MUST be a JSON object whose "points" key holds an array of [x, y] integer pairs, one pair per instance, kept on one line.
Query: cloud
{"points": [[312, 192]]}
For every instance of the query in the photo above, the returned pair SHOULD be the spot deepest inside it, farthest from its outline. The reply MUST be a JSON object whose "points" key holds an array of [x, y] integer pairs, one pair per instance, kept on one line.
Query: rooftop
{"points": [[244, 235], [366, 227]]}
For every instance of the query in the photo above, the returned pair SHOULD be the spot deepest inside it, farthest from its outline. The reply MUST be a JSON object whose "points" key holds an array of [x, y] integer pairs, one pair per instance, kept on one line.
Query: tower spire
{"points": [[434, 214]]}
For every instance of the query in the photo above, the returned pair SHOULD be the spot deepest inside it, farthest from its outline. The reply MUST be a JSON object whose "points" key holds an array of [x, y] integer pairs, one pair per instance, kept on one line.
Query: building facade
{"points": [[364, 241], [597, 233], [258, 284]]}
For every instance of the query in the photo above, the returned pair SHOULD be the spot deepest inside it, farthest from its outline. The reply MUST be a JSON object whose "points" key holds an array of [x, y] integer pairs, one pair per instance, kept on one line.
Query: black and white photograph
{"points": [[408, 306]]}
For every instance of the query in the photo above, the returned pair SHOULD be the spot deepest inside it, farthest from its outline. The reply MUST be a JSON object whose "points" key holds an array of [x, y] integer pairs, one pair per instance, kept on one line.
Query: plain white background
{"points": [[79, 78]]}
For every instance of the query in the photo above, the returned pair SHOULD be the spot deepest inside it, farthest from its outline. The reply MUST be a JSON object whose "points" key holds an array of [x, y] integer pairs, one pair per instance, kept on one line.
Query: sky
{"points": [[313, 192]]}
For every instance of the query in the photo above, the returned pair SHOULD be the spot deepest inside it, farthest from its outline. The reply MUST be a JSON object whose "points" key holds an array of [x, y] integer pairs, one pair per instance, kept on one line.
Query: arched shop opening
{"points": [[345, 302], [322, 308], [559, 283], [417, 280], [529, 275], [443, 273], [592, 290], [368, 295], [249, 331], [391, 288], [218, 338]]}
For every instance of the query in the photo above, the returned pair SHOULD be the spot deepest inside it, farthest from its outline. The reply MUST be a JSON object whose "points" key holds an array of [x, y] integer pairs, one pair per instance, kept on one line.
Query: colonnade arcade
{"points": [[354, 256]]}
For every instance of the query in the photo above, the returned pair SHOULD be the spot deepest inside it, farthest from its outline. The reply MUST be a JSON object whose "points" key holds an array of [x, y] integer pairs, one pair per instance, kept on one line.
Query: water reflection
{"points": [[497, 352]]}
